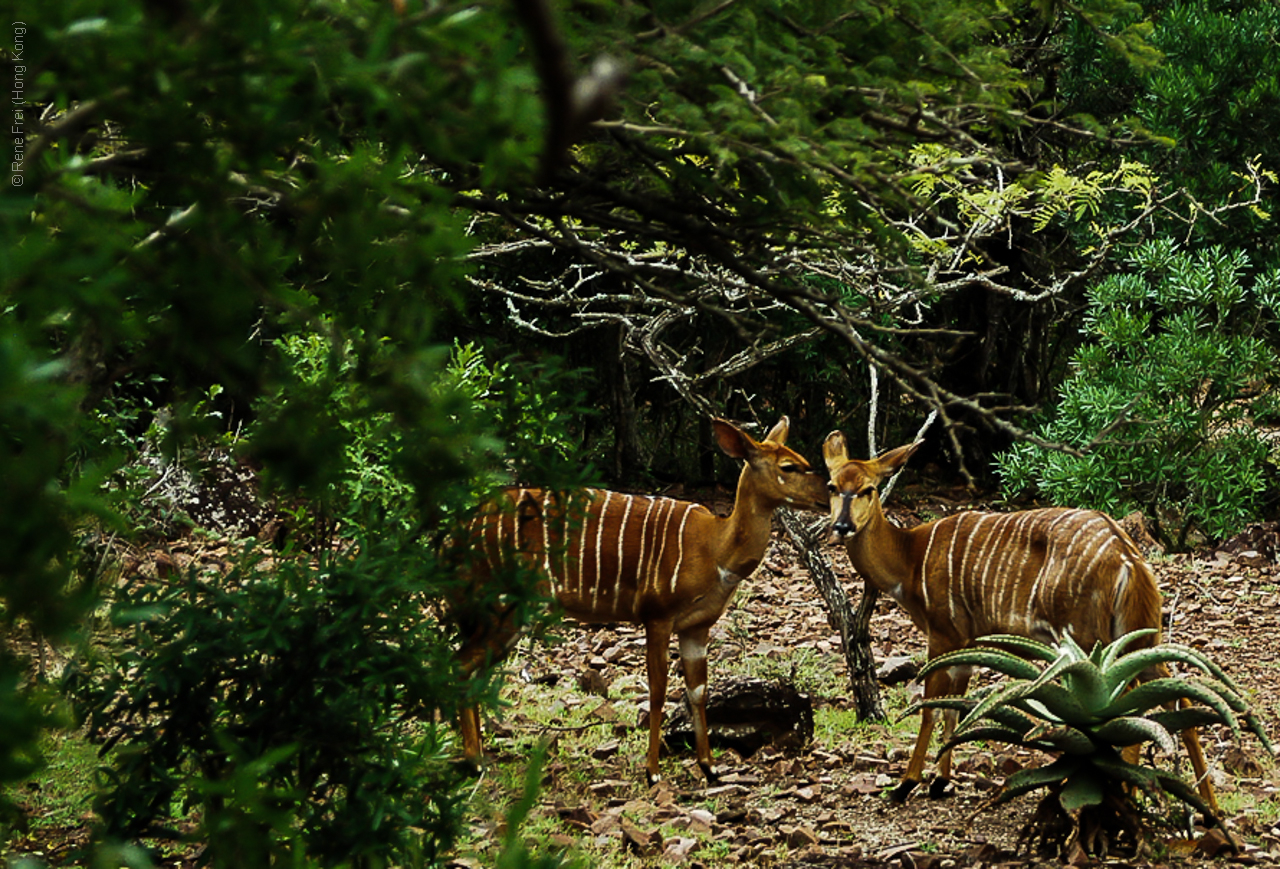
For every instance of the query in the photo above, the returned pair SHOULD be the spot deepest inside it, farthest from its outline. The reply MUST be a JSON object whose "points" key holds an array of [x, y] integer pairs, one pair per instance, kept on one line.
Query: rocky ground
{"points": [[823, 805]]}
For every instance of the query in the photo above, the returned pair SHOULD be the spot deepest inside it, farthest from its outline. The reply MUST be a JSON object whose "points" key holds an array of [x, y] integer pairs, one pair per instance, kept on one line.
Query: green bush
{"points": [[293, 702], [1170, 397]]}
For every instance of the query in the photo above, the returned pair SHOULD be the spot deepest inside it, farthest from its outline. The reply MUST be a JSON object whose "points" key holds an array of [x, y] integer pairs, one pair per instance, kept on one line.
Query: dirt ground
{"points": [[824, 805]]}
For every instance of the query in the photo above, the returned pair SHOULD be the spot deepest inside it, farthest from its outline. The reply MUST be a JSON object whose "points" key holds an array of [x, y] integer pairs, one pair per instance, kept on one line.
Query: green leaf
{"points": [[1058, 703], [1084, 788], [1178, 720], [1025, 781], [985, 733], [1085, 681], [992, 659], [1029, 647], [1125, 670], [1131, 730], [1068, 740], [1117, 646], [1159, 692]]}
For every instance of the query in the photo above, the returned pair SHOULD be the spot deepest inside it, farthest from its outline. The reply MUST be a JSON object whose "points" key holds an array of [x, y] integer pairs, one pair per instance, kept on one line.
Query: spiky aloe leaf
{"points": [[1006, 716], [993, 659], [1152, 781], [984, 733], [1118, 645], [1010, 693], [1084, 680], [1131, 730], [1178, 720], [1068, 740], [1069, 648], [1024, 781], [1085, 787], [1058, 704], [1207, 664], [1158, 692], [959, 704], [1125, 670], [1028, 647], [1256, 727]]}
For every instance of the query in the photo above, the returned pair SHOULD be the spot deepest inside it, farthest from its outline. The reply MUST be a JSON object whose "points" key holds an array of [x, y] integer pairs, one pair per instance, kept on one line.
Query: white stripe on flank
{"points": [[640, 567], [973, 563], [952, 575], [595, 586], [1014, 564], [1100, 551], [925, 571], [1047, 574], [1119, 611], [675, 574], [964, 575], [582, 537], [622, 536], [662, 547]]}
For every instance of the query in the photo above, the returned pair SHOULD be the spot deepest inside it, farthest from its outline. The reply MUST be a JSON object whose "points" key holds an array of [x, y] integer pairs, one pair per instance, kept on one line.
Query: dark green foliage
{"points": [[293, 702], [205, 187], [1204, 107], [1169, 398]]}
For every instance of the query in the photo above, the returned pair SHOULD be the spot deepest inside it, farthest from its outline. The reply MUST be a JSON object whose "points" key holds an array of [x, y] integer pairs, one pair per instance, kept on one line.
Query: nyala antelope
{"points": [[1034, 573], [668, 565]]}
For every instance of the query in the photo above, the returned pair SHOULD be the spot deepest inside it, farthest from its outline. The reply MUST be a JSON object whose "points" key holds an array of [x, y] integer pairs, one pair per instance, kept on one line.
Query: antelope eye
{"points": [[831, 487], [793, 469]]}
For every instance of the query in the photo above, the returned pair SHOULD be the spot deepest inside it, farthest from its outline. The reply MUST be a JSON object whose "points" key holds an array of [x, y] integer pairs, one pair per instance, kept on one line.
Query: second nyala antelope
{"points": [[1034, 573], [669, 565]]}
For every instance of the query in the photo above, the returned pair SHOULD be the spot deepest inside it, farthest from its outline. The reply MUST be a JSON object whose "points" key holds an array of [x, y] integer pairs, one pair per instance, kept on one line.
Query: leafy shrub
{"points": [[1084, 709], [1166, 399], [293, 702]]}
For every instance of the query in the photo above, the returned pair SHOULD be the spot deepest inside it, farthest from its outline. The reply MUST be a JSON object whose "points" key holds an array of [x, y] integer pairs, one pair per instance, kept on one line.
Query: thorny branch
{"points": [[688, 267]]}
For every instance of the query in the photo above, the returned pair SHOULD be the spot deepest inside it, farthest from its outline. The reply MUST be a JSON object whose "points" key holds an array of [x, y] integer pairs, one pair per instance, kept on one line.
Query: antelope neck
{"points": [[744, 533], [882, 553]]}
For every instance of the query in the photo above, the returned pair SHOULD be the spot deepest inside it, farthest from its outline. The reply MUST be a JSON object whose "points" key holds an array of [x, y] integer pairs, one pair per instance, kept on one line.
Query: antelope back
{"points": [[604, 556], [1036, 573]]}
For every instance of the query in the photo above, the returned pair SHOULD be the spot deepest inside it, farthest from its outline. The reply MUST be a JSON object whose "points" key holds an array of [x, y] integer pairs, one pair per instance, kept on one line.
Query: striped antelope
{"points": [[1034, 573], [665, 564]]}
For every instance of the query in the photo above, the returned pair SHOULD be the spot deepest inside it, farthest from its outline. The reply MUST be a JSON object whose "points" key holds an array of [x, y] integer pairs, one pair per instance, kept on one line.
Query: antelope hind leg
{"points": [[693, 657], [657, 636]]}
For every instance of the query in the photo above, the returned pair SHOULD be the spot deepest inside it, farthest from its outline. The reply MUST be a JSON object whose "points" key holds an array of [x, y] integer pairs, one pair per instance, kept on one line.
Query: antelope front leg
{"points": [[693, 656], [941, 785], [657, 643], [469, 724], [936, 684]]}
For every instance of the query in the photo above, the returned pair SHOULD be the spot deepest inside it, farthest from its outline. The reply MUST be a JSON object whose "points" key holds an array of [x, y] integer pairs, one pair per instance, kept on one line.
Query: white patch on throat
{"points": [[728, 578]]}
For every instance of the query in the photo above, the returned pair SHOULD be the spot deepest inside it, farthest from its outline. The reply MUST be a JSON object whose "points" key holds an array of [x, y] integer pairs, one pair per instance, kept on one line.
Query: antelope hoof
{"points": [[940, 788], [469, 767], [710, 773], [903, 790]]}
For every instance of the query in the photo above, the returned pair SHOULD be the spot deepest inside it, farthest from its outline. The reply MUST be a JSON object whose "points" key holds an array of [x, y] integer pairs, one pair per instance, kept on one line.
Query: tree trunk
{"points": [[853, 624]]}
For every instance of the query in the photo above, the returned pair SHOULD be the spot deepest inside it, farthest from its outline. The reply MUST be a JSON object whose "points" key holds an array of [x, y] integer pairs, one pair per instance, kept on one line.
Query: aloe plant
{"points": [[1087, 710]]}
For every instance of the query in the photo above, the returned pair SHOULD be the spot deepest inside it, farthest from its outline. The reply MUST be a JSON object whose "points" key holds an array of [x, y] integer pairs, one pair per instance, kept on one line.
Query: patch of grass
{"points": [[813, 672], [63, 790]]}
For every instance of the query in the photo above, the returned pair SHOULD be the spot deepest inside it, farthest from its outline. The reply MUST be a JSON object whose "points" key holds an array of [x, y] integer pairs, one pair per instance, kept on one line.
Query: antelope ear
{"points": [[734, 441], [835, 452], [894, 459], [778, 434]]}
